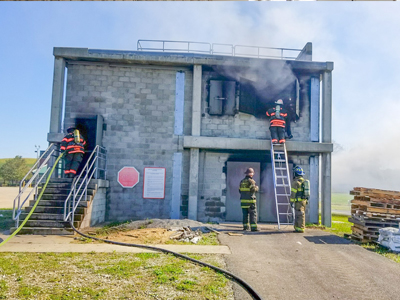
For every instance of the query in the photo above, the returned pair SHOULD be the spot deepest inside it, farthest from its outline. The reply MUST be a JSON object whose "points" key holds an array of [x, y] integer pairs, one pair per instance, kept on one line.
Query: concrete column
{"points": [[193, 183], [57, 99], [196, 100], [326, 217], [176, 185], [313, 206], [194, 152]]}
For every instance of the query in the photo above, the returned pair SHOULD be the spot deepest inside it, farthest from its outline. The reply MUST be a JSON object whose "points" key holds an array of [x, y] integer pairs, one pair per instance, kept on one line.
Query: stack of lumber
{"points": [[371, 210]]}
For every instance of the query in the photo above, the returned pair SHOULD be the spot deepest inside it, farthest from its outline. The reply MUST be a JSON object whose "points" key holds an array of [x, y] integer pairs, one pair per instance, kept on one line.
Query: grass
{"points": [[110, 276], [341, 202]]}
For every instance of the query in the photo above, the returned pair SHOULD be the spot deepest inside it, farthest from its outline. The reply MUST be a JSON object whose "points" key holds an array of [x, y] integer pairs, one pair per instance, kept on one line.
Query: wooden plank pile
{"points": [[371, 210]]}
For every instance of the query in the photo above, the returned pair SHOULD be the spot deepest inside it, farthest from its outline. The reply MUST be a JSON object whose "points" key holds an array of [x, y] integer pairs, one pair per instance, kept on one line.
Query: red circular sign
{"points": [[128, 177]]}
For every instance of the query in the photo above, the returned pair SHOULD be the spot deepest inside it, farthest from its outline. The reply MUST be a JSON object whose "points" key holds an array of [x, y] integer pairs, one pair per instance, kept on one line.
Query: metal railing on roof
{"points": [[217, 49]]}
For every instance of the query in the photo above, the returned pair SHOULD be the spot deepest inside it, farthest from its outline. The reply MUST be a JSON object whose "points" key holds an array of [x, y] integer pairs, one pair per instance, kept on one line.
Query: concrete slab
{"points": [[315, 265], [60, 244]]}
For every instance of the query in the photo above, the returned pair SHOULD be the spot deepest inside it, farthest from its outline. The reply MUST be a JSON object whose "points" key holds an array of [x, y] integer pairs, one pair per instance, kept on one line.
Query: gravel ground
{"points": [[164, 223]]}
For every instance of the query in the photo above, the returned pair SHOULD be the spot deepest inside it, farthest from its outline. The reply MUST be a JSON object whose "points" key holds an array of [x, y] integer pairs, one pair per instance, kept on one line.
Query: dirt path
{"points": [[8, 194]]}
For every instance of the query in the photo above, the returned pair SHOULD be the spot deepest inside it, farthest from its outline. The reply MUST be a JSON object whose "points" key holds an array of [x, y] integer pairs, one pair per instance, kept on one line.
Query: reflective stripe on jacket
{"points": [[274, 119], [68, 144], [247, 189], [297, 189]]}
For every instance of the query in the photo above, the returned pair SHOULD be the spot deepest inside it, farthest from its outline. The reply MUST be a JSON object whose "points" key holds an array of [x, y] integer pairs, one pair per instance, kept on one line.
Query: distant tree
{"points": [[14, 169]]}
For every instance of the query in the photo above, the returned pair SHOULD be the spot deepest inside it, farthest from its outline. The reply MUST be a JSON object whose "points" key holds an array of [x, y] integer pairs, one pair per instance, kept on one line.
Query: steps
{"points": [[48, 217]]}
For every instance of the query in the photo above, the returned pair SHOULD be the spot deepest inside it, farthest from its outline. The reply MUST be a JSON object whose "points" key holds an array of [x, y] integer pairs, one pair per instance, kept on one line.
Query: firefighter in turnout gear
{"points": [[277, 122], [73, 144], [300, 193], [248, 189]]}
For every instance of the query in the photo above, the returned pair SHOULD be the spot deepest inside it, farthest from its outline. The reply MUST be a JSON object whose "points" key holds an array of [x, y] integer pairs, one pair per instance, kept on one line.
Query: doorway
{"points": [[235, 173]]}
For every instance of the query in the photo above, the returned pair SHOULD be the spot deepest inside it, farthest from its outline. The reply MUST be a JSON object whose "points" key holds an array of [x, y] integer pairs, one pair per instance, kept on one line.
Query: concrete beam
{"points": [[57, 95], [183, 59], [204, 142]]}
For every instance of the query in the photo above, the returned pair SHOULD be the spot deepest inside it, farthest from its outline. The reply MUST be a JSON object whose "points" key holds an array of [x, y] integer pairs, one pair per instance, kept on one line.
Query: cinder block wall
{"points": [[213, 183], [138, 107]]}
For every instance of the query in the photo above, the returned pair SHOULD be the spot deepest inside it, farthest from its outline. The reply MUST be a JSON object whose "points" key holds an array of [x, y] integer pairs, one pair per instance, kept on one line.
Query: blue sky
{"points": [[359, 37]]}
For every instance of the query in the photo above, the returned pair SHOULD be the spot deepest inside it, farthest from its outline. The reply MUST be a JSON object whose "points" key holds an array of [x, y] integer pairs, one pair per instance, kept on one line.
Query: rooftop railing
{"points": [[217, 49]]}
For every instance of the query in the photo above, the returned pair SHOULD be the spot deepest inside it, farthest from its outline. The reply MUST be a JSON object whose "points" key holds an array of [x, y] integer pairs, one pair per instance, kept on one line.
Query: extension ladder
{"points": [[282, 188]]}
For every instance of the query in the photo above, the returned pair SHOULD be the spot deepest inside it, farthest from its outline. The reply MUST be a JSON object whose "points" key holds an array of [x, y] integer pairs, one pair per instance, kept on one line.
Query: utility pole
{"points": [[37, 151]]}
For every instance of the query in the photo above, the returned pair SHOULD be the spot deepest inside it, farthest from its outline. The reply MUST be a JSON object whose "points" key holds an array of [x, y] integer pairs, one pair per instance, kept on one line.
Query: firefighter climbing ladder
{"points": [[280, 170]]}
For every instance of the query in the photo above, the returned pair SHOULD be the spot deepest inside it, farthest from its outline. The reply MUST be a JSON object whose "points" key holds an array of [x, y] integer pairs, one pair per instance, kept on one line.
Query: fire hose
{"points": [[231, 276], [36, 203]]}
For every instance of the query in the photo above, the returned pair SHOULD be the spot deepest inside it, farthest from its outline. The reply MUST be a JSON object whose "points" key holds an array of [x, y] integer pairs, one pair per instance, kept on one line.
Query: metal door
{"points": [[235, 173], [267, 206]]}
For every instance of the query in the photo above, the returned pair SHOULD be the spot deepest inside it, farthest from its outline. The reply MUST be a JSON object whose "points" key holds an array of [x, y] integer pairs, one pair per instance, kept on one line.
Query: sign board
{"points": [[128, 177], [154, 183]]}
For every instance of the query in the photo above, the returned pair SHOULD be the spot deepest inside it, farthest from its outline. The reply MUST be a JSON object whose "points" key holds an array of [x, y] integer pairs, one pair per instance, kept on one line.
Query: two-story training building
{"points": [[191, 121]]}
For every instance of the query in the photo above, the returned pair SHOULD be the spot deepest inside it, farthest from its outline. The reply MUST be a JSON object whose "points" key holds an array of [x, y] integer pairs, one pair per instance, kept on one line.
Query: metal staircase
{"points": [[282, 187], [63, 199]]}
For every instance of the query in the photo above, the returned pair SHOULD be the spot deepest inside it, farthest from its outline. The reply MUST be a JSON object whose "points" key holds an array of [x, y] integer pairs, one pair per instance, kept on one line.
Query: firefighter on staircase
{"points": [[300, 193], [277, 123], [248, 189], [73, 144]]}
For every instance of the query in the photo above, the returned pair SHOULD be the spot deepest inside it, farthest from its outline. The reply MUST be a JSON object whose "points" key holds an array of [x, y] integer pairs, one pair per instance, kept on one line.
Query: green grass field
{"points": [[341, 202], [29, 161]]}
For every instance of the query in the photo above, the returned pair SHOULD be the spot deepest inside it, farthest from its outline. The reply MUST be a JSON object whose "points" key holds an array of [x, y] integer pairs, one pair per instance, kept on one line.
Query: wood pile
{"points": [[371, 210]]}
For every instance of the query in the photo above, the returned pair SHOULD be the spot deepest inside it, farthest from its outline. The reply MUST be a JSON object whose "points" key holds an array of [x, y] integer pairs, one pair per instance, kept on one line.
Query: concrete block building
{"points": [[199, 118]]}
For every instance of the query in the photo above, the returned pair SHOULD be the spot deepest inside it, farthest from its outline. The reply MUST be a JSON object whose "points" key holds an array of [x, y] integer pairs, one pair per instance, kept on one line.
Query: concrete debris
{"points": [[389, 237], [186, 234]]}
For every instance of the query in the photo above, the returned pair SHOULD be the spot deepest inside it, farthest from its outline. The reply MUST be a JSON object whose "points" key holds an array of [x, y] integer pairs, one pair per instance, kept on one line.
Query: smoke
{"points": [[268, 77], [369, 164]]}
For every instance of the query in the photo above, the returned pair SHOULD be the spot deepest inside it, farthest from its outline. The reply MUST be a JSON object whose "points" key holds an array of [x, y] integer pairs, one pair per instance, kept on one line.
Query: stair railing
{"points": [[95, 167], [36, 179]]}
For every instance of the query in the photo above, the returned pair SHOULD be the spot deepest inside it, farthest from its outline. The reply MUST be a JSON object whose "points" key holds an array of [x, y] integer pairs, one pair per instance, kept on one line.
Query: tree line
{"points": [[13, 170]]}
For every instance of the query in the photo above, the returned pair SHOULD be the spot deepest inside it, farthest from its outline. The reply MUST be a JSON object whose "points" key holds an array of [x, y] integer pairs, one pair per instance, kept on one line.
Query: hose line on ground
{"points": [[34, 206], [231, 276]]}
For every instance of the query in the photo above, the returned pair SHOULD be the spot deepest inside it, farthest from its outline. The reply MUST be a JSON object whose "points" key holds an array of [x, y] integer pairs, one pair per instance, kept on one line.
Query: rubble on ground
{"points": [[186, 234]]}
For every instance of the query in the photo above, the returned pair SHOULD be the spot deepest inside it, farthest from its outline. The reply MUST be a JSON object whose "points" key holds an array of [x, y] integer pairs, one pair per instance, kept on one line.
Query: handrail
{"points": [[164, 49], [234, 49], [80, 184], [43, 160]]}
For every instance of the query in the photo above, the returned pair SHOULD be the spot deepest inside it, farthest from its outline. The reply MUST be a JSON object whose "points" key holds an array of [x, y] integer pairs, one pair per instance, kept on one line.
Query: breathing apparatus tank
{"points": [[306, 188], [278, 111], [77, 137]]}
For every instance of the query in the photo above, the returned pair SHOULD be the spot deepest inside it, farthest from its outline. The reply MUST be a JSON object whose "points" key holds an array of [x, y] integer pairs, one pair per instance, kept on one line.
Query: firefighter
{"points": [[291, 116], [277, 123], [300, 193], [73, 144], [247, 189]]}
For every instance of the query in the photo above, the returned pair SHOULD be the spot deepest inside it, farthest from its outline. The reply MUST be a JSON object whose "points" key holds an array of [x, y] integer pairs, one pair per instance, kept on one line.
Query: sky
{"points": [[361, 38]]}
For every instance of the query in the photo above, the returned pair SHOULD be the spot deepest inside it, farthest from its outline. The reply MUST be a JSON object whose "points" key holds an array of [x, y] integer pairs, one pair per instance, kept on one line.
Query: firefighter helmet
{"points": [[280, 101], [249, 171], [71, 129], [298, 171]]}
